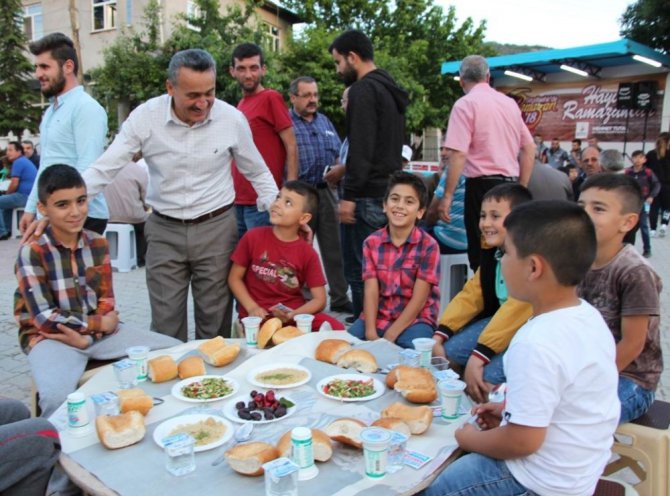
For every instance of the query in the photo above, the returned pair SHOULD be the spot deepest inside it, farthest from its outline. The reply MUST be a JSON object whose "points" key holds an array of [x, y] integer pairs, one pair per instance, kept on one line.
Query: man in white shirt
{"points": [[188, 139]]}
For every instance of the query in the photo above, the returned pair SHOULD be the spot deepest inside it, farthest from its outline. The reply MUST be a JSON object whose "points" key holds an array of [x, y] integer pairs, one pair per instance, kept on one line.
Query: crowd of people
{"points": [[560, 307]]}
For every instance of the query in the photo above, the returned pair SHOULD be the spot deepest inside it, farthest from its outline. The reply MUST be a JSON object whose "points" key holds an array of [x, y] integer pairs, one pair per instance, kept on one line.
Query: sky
{"points": [[551, 23]]}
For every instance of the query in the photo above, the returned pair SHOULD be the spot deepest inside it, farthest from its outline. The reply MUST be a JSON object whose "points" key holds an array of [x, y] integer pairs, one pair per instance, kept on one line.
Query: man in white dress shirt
{"points": [[188, 139]]}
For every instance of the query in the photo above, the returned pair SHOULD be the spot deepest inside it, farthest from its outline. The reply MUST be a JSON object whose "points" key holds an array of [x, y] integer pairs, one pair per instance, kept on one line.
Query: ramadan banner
{"points": [[567, 111]]}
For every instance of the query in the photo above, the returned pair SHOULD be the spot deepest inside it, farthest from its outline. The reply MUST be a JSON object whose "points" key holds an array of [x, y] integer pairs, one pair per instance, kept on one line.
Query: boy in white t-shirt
{"points": [[553, 434]]}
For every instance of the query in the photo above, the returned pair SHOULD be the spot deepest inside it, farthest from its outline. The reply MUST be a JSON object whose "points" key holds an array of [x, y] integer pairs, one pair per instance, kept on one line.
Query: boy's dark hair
{"points": [[57, 177], [514, 193], [636, 153], [559, 231], [308, 192], [353, 41], [402, 177], [60, 46], [245, 51], [17, 146], [626, 188], [578, 141]]}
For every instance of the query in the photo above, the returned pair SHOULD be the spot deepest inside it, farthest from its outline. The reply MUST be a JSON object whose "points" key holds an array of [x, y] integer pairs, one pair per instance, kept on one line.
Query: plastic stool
{"points": [[612, 487], [121, 239], [451, 280], [646, 442], [17, 213]]}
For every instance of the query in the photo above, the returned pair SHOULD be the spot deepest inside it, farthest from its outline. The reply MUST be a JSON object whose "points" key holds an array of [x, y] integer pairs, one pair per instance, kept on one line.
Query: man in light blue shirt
{"points": [[73, 128]]}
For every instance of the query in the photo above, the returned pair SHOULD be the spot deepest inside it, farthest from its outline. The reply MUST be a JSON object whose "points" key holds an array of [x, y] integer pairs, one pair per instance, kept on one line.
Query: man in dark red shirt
{"points": [[272, 129]]}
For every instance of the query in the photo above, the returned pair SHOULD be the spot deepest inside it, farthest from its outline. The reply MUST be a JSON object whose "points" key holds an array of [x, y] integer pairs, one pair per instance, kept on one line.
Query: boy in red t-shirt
{"points": [[272, 264]]}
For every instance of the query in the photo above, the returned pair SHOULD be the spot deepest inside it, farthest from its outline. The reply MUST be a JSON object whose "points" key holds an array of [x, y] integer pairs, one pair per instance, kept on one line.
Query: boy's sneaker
{"points": [[646, 254], [652, 234], [662, 231]]}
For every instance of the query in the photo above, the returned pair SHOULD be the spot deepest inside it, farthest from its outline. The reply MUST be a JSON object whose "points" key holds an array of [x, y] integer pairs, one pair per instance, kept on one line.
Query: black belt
{"points": [[197, 220], [495, 177]]}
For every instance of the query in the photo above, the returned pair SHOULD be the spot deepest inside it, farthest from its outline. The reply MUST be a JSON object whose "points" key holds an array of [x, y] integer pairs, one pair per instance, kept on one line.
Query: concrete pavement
{"points": [[133, 305]]}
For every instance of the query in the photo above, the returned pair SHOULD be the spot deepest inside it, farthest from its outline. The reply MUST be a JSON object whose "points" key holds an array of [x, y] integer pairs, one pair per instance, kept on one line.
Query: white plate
{"points": [[176, 389], [251, 376], [379, 387], [230, 411], [163, 430]]}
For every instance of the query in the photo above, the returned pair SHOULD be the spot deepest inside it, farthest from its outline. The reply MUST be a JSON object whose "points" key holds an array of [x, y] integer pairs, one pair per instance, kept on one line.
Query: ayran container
{"points": [[375, 450], [425, 347], [302, 453], [138, 355], [451, 392]]}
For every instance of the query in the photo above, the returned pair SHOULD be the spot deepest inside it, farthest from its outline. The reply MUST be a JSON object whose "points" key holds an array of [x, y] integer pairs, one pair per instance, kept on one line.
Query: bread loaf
{"points": [[218, 353], [330, 350], [266, 332], [163, 368], [346, 431], [393, 424], [119, 431], [415, 384], [321, 445], [361, 360], [417, 418], [248, 459], [191, 366], [285, 334], [134, 399]]}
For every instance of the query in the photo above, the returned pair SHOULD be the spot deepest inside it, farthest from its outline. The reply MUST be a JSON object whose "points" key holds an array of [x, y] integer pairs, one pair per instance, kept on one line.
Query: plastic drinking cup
{"points": [[451, 394], [303, 322], [251, 325]]}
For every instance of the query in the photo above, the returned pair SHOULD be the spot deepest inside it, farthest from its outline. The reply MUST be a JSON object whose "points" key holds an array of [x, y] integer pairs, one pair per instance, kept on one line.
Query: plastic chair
{"points": [[454, 272], [17, 213], [644, 447], [121, 239], [612, 487]]}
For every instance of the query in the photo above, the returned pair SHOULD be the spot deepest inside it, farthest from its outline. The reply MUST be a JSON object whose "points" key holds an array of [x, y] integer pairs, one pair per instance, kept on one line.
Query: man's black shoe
{"points": [[8, 235], [345, 308], [646, 254], [350, 320]]}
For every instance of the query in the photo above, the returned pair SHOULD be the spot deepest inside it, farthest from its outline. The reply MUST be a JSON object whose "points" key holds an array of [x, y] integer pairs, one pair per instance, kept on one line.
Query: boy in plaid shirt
{"points": [[65, 301], [400, 270]]}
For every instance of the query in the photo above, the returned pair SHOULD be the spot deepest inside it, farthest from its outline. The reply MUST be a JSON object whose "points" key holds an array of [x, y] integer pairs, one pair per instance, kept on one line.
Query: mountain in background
{"points": [[509, 49]]}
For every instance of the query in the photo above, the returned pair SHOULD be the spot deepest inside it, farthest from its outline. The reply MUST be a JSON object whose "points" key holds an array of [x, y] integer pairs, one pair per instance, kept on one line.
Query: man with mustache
{"points": [[272, 130], [375, 132], [318, 150], [74, 126], [188, 139]]}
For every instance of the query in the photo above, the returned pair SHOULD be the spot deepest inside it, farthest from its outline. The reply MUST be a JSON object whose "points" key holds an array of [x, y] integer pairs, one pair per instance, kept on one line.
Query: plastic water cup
{"points": [[251, 325], [425, 347], [126, 373], [179, 454], [376, 443], [303, 322], [410, 357], [139, 354], [451, 394], [396, 451], [281, 477]]}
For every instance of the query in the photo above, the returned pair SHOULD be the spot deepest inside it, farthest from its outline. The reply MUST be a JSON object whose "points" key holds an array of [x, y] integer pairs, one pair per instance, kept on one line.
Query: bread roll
{"points": [[248, 459], [330, 350], [120, 431], [191, 366], [285, 334], [417, 418], [134, 399], [162, 369], [416, 385], [321, 445], [267, 331], [346, 431], [393, 424], [218, 353], [211, 345], [361, 360]]}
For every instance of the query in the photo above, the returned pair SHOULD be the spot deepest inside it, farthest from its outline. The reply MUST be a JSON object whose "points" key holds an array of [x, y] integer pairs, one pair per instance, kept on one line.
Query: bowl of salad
{"points": [[204, 388], [350, 387]]}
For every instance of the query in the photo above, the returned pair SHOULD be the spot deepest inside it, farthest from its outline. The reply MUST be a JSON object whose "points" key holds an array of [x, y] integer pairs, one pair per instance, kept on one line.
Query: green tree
{"points": [[411, 38], [16, 93], [135, 65], [648, 22]]}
